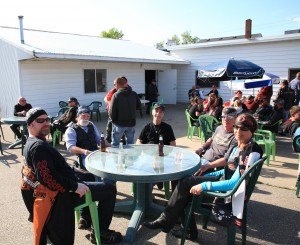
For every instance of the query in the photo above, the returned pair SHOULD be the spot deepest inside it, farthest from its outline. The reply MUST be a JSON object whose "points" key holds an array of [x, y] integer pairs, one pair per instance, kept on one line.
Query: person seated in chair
{"points": [[82, 138], [277, 114], [195, 110], [151, 132], [213, 151], [51, 189], [69, 116], [20, 110], [238, 161], [264, 110], [289, 127], [251, 104]]}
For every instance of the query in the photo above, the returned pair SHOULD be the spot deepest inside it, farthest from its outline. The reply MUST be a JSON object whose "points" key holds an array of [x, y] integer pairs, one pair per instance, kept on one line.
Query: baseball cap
{"points": [[229, 111], [83, 109], [34, 113], [158, 105], [73, 99]]}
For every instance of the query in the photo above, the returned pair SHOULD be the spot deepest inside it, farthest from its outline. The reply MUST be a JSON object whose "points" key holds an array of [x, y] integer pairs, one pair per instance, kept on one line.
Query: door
{"points": [[167, 86]]}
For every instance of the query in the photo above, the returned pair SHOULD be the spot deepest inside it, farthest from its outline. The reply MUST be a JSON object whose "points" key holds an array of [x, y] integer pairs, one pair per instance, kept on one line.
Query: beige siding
{"points": [[274, 57], [45, 83]]}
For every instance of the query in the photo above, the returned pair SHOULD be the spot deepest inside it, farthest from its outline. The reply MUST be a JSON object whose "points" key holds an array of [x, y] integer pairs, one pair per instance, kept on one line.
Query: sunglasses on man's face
{"points": [[243, 128], [42, 120]]}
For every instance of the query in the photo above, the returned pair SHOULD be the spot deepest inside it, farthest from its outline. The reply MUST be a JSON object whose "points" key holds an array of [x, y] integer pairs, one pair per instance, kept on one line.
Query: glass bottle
{"points": [[102, 143], [161, 146]]}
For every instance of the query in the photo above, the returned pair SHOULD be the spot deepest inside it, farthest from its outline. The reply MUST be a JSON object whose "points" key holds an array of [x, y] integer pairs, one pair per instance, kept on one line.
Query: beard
{"points": [[44, 132], [83, 123]]}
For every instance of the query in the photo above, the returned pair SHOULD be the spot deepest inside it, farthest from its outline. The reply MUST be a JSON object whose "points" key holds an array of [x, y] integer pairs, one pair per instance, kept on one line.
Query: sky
{"points": [[152, 21]]}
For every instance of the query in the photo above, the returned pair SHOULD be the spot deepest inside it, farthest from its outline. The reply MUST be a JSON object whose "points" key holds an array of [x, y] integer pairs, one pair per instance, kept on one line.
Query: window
{"points": [[94, 80], [205, 84]]}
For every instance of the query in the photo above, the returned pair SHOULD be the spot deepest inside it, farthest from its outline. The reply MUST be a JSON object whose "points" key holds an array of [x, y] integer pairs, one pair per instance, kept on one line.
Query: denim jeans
{"points": [[117, 133]]}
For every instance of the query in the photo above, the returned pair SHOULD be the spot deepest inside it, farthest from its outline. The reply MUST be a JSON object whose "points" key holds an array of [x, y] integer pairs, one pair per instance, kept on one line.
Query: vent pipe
{"points": [[248, 28], [21, 28]]}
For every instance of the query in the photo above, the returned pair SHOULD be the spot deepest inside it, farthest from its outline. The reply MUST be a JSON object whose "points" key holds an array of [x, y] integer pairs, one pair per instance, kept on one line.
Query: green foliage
{"points": [[113, 33], [186, 38]]}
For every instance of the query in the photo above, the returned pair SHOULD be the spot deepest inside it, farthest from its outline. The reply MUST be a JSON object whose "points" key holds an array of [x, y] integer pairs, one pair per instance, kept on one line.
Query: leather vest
{"points": [[85, 140]]}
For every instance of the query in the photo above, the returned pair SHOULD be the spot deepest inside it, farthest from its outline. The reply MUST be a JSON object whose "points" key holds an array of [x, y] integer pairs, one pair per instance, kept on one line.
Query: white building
{"points": [[47, 67], [278, 55]]}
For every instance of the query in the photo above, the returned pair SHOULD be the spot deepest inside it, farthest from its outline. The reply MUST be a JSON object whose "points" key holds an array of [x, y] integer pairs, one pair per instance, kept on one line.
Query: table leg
{"points": [[12, 146]]}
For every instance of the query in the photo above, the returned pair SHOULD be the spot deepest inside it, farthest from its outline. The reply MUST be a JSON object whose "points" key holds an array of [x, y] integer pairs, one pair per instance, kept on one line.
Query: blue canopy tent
{"points": [[267, 80]]}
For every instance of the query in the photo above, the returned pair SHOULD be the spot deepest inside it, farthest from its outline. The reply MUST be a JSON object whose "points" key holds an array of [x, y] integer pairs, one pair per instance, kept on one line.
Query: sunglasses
{"points": [[243, 128], [42, 120], [227, 117]]}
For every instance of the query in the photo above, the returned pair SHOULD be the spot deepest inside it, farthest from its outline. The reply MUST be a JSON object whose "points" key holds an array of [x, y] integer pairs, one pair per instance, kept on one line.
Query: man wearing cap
{"points": [[20, 110], [214, 149], [277, 114], [152, 131], [82, 137], [69, 116], [122, 112], [51, 188]]}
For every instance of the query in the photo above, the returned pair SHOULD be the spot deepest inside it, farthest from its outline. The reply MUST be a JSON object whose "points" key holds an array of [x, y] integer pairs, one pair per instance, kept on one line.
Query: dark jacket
{"points": [[277, 114], [288, 95], [152, 92], [124, 104], [264, 113]]}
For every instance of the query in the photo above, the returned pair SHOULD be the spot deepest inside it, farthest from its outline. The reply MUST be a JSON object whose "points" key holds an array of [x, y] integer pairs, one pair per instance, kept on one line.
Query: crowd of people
{"points": [[278, 118], [51, 188]]}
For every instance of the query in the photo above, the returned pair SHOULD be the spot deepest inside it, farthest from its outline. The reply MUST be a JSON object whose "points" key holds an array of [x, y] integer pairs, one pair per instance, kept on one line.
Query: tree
{"points": [[176, 39], [187, 38], [159, 45], [113, 33]]}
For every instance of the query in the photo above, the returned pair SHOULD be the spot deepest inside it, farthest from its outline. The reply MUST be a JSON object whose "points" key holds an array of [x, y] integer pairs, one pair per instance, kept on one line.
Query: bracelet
{"points": [[85, 152]]}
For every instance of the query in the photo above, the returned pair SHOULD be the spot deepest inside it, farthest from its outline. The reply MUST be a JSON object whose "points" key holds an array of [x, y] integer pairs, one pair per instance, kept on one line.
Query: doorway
{"points": [[149, 75]]}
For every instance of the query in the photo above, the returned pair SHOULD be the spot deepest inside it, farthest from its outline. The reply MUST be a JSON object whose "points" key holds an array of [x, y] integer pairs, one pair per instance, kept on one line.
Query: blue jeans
{"points": [[117, 133]]}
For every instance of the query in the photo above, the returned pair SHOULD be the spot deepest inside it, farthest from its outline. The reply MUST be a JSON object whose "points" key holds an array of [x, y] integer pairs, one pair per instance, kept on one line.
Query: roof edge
{"points": [[109, 59]]}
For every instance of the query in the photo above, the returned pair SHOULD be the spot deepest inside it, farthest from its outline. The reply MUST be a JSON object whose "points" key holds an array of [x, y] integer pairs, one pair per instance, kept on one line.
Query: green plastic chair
{"points": [[94, 215], [208, 125], [62, 104], [59, 113], [191, 128], [1, 149], [250, 176], [95, 108], [264, 137], [298, 179], [56, 137], [261, 126]]}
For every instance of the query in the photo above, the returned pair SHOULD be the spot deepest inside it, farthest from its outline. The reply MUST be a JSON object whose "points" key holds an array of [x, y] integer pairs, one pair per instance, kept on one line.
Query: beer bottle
{"points": [[161, 146], [102, 143]]}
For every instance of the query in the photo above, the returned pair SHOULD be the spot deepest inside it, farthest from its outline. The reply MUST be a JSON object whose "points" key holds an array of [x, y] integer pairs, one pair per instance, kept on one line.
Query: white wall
{"points": [[45, 83], [274, 57], [9, 78]]}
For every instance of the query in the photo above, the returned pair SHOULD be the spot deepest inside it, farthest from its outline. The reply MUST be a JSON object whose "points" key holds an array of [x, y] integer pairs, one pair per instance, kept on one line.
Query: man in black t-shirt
{"points": [[151, 132], [20, 110]]}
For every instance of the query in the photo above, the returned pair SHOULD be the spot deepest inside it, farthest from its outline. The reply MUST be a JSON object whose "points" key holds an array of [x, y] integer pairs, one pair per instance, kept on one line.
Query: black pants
{"points": [[15, 129], [181, 197], [60, 228]]}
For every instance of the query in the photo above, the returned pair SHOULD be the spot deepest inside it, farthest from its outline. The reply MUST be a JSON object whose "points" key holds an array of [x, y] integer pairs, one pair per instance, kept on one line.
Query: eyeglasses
{"points": [[227, 117], [42, 120], [243, 128]]}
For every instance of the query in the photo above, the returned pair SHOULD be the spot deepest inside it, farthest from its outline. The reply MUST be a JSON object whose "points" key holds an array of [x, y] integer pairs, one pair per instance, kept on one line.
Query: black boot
{"points": [[160, 223]]}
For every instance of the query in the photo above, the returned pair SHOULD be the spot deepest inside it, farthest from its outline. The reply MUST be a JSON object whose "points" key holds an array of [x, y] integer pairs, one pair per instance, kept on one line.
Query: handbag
{"points": [[221, 212]]}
